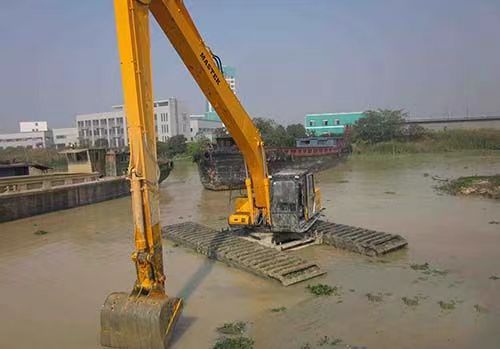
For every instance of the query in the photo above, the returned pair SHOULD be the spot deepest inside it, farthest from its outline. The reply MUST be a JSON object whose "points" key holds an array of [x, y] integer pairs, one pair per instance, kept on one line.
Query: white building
{"points": [[203, 127], [109, 129], [65, 137], [37, 139], [33, 126]]}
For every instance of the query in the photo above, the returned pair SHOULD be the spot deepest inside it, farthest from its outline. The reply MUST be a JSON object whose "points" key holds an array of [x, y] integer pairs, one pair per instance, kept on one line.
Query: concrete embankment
{"points": [[30, 203]]}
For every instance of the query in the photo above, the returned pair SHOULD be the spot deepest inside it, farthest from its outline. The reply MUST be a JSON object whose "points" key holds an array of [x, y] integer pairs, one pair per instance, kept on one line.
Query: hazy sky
{"points": [[437, 57]]}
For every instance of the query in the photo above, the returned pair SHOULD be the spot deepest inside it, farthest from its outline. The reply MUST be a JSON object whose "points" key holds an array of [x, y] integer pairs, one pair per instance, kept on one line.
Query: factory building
{"points": [[109, 129], [330, 123]]}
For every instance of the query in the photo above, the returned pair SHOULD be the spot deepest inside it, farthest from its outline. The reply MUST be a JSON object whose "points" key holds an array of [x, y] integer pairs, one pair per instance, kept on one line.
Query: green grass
{"points": [[278, 310], [234, 343], [232, 328], [488, 186], [436, 142], [322, 290]]}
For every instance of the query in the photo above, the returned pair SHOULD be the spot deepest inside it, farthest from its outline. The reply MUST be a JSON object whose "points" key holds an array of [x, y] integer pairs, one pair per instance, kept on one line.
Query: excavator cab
{"points": [[295, 202]]}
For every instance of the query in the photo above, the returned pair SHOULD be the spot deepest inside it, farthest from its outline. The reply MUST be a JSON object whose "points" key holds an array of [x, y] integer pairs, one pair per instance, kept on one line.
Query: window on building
{"points": [[103, 121], [95, 122], [87, 123], [311, 123], [325, 122], [337, 122]]}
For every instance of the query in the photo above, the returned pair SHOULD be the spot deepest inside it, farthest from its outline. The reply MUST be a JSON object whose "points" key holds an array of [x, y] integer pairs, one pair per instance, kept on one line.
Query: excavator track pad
{"points": [[138, 322], [235, 251], [368, 242]]}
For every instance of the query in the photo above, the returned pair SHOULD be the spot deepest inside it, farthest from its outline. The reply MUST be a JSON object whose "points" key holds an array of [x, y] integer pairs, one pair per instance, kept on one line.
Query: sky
{"points": [[59, 58]]}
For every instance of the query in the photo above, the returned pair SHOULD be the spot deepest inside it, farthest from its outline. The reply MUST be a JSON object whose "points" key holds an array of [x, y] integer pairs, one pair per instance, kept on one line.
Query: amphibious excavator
{"points": [[275, 211]]}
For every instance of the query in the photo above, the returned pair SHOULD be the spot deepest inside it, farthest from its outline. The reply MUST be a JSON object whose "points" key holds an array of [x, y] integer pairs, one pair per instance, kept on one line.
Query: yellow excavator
{"points": [[282, 204], [144, 318]]}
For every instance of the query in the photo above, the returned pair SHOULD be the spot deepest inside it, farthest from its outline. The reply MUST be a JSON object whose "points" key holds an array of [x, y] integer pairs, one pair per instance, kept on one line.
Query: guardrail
{"points": [[15, 184]]}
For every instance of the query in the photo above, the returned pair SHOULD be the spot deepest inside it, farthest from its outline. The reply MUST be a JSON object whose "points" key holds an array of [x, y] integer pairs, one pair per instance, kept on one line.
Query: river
{"points": [[52, 286]]}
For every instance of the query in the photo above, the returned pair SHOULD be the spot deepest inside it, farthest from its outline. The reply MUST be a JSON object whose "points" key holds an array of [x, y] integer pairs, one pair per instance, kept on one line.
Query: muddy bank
{"points": [[486, 186]]}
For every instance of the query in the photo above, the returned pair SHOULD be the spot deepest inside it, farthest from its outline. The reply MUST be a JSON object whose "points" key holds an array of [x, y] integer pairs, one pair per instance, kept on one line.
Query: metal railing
{"points": [[15, 184]]}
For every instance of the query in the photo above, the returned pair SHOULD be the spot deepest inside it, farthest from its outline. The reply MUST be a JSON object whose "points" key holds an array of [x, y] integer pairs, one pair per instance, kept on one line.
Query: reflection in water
{"points": [[52, 286]]}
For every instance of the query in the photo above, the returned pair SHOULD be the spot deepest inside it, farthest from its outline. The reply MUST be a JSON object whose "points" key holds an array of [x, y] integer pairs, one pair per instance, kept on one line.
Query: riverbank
{"points": [[436, 142], [487, 186]]}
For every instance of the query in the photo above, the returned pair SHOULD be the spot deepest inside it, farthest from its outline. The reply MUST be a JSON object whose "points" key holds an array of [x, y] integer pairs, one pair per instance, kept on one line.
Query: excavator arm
{"points": [[144, 318], [178, 26]]}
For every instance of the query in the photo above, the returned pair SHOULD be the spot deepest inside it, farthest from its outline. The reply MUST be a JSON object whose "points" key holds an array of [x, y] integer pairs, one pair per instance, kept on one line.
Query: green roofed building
{"points": [[330, 123]]}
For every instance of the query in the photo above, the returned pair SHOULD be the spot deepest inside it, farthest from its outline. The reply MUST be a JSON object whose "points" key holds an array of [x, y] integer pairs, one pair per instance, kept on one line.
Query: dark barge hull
{"points": [[225, 170], [22, 204]]}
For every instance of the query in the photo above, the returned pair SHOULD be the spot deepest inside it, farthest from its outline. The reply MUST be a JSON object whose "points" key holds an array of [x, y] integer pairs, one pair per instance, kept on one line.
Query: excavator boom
{"points": [[145, 317], [178, 26]]}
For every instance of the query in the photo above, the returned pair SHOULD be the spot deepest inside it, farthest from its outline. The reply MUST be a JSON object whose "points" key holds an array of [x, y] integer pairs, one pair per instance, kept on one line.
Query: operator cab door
{"points": [[284, 202], [310, 196]]}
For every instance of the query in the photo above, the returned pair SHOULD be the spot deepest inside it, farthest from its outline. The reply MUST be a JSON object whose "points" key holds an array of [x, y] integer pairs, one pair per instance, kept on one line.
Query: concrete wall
{"points": [[20, 205]]}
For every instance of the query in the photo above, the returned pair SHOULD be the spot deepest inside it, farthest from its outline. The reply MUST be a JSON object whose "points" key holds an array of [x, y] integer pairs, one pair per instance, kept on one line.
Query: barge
{"points": [[221, 166], [94, 175]]}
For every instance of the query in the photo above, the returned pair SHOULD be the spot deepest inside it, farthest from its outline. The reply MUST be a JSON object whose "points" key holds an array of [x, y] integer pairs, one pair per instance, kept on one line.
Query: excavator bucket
{"points": [[138, 322]]}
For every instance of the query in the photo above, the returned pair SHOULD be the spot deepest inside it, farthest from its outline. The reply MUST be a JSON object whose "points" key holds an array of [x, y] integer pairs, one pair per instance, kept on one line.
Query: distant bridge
{"points": [[467, 122]]}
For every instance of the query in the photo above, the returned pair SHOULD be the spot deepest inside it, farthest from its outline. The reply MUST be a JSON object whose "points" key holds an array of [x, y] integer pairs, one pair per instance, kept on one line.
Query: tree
{"points": [[174, 145], [197, 148], [414, 132], [380, 125], [276, 135], [266, 128], [296, 130]]}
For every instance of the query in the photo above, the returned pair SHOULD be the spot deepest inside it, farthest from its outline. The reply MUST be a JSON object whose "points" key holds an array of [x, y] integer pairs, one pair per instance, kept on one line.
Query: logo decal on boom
{"points": [[209, 67]]}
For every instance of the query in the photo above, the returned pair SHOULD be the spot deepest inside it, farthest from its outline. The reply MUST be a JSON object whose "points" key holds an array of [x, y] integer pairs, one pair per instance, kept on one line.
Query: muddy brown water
{"points": [[52, 285]]}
